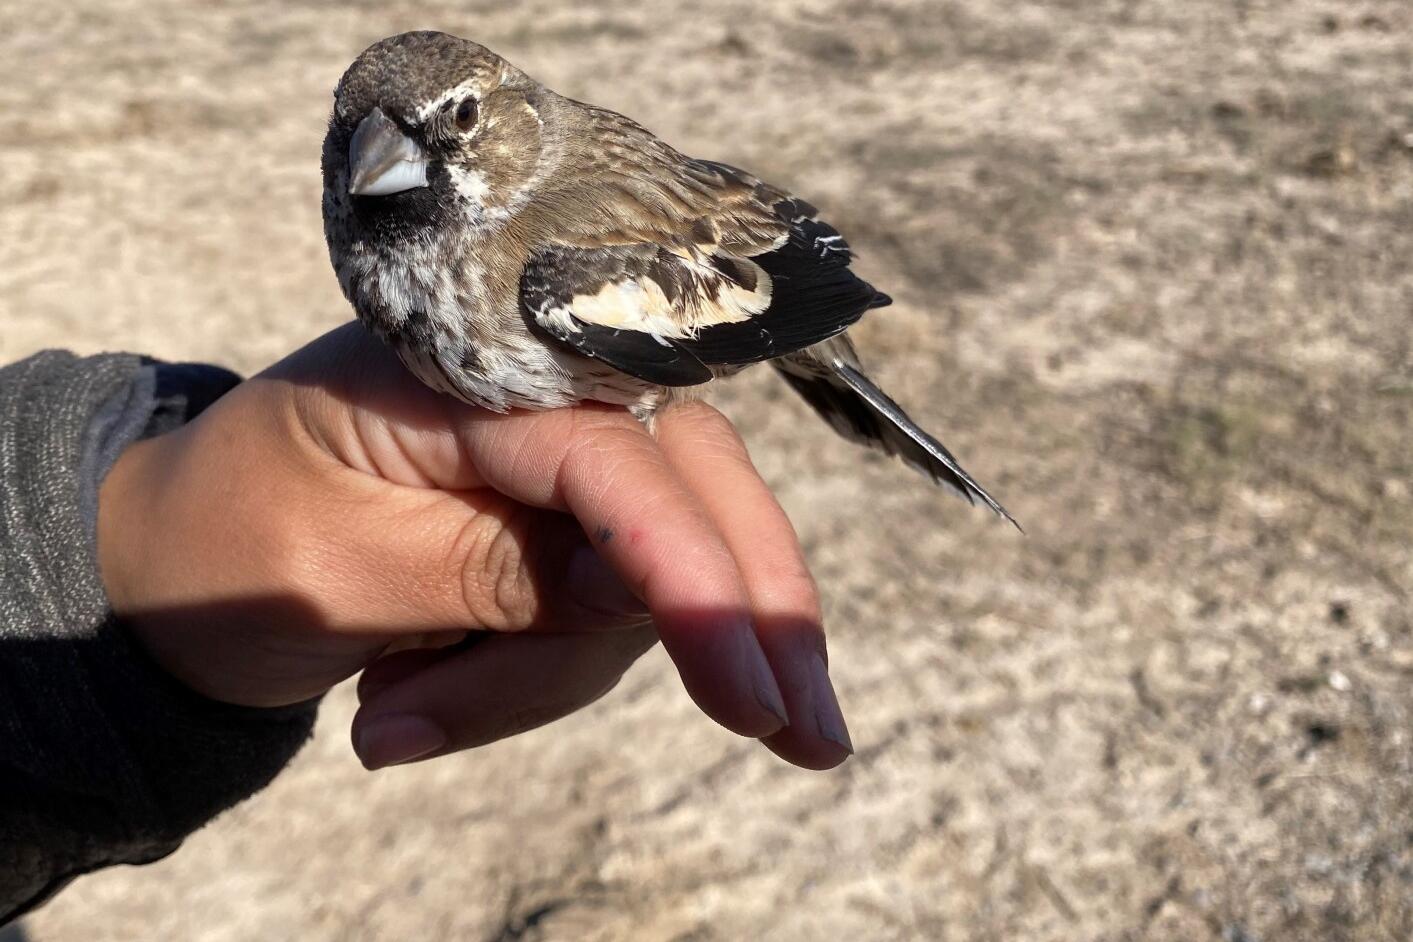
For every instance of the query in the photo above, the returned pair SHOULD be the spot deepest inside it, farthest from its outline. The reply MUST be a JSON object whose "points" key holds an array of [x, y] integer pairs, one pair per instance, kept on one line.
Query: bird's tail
{"points": [[829, 379]]}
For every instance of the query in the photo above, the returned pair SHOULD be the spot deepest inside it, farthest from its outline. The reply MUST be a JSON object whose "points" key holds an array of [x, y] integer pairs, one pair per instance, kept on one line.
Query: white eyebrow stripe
{"points": [[471, 86]]}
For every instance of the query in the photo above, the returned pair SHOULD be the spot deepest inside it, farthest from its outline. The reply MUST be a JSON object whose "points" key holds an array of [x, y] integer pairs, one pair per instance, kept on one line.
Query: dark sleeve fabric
{"points": [[104, 758]]}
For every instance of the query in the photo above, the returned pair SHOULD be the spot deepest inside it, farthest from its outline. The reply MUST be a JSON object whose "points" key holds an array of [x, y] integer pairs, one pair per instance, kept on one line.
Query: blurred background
{"points": [[1152, 271]]}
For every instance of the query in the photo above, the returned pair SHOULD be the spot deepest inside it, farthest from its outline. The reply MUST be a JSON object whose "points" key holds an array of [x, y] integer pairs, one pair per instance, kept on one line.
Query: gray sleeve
{"points": [[104, 759]]}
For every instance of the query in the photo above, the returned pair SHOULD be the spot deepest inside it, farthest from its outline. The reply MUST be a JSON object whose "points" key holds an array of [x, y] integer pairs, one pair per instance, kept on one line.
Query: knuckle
{"points": [[597, 437], [706, 423], [510, 721], [713, 421], [531, 716], [792, 590], [497, 590]]}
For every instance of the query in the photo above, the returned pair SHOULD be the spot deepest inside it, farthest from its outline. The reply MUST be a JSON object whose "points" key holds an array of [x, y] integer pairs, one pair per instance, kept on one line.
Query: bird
{"points": [[519, 249]]}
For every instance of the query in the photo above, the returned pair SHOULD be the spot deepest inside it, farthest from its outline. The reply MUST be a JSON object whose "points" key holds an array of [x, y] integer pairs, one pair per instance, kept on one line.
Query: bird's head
{"points": [[425, 124]]}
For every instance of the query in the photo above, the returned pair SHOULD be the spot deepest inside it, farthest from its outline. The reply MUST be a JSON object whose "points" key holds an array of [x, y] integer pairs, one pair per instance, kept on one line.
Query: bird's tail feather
{"points": [[858, 410]]}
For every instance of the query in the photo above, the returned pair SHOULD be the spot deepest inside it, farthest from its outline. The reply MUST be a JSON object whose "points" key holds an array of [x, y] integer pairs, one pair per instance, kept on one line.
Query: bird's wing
{"points": [[678, 272]]}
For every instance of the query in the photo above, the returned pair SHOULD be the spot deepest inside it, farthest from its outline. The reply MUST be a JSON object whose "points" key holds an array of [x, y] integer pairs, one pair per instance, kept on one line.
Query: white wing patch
{"points": [[640, 303]]}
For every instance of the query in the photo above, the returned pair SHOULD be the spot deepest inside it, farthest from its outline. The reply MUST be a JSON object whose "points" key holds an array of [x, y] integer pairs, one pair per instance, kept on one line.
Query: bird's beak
{"points": [[382, 160]]}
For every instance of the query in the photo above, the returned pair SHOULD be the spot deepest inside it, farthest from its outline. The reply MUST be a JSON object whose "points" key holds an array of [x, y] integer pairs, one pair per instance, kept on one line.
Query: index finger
{"points": [[604, 467]]}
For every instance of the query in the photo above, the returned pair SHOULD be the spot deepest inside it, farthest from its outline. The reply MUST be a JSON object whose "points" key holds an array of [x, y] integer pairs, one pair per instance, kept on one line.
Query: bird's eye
{"points": [[465, 116]]}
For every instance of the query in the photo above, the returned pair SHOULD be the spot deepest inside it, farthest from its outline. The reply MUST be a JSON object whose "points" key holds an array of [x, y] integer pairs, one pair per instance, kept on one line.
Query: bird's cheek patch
{"points": [[471, 186]]}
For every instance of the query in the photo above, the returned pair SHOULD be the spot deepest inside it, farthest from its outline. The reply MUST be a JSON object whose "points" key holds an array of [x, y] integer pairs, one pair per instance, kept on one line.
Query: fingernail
{"points": [[396, 738], [593, 585], [827, 715], [766, 689]]}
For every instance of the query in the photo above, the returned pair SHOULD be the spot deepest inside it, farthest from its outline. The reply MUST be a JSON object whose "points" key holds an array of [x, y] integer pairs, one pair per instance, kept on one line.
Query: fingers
{"points": [[604, 467], [706, 451], [430, 703]]}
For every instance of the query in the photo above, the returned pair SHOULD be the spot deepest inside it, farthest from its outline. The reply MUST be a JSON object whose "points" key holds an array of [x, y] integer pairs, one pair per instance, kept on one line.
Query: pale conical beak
{"points": [[382, 160]]}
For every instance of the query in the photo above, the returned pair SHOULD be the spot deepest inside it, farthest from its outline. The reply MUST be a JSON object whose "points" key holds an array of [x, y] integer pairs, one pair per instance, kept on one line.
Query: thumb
{"points": [[405, 561]]}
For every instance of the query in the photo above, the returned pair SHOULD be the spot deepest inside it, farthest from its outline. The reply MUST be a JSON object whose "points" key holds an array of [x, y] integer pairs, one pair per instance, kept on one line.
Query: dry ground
{"points": [[1152, 262]]}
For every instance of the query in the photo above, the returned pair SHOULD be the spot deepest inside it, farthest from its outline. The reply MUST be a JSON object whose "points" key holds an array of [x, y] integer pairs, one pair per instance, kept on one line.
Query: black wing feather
{"points": [[814, 297], [664, 363]]}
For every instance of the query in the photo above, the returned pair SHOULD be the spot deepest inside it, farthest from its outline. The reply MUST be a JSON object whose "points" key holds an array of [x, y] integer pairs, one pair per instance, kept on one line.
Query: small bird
{"points": [[519, 249]]}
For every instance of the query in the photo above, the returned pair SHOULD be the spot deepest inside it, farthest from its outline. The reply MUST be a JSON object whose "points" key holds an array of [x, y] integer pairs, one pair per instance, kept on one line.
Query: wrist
{"points": [[125, 510], [185, 560]]}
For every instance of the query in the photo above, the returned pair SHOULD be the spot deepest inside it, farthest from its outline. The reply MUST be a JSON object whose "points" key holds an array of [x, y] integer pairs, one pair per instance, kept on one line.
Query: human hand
{"points": [[333, 509]]}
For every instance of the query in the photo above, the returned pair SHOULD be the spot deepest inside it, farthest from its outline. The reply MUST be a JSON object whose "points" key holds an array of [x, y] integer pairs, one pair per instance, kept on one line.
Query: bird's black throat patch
{"points": [[411, 214]]}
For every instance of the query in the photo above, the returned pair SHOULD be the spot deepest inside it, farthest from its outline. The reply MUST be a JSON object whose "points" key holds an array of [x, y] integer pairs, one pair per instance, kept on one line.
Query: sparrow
{"points": [[522, 250]]}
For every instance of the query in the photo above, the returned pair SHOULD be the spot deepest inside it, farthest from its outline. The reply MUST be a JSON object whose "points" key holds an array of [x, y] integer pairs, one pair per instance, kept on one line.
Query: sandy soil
{"points": [[1152, 263]]}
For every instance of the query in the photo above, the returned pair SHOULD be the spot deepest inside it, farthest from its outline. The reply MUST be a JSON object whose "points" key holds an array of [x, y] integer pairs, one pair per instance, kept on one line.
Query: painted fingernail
{"points": [[767, 690], [396, 738], [593, 585], [828, 717]]}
